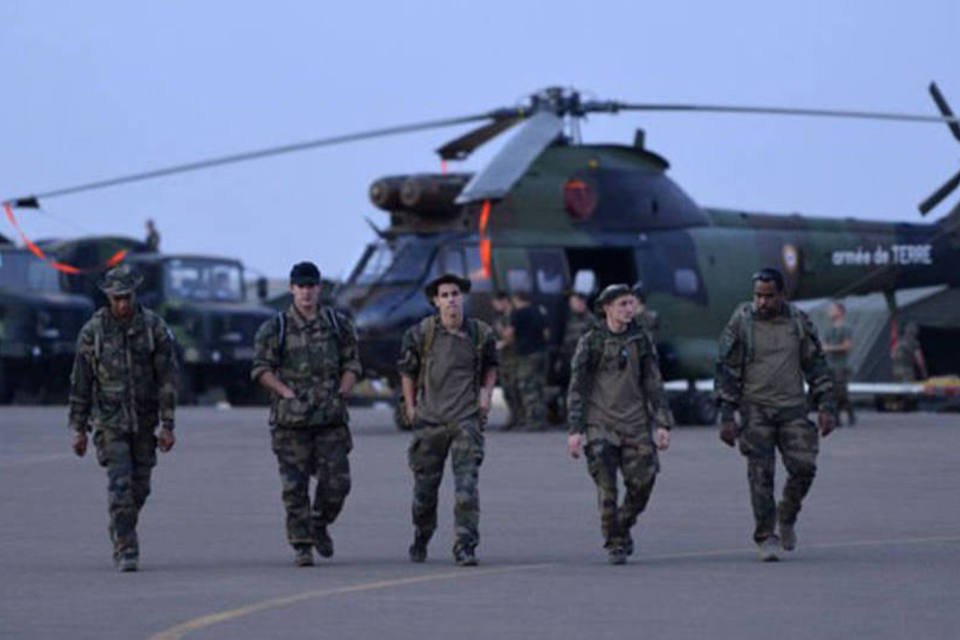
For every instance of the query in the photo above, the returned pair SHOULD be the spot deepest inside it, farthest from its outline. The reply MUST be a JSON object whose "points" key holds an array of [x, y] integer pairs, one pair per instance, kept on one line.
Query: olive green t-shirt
{"points": [[835, 335], [616, 400], [449, 391], [773, 377]]}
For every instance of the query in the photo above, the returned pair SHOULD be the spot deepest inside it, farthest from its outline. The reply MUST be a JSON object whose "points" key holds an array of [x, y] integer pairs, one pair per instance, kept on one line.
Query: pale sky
{"points": [[96, 89]]}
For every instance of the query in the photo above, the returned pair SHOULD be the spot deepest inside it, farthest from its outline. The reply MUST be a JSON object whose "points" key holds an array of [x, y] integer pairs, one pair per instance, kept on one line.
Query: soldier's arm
{"points": [[266, 360], [350, 368], [409, 366], [657, 405], [81, 383], [166, 371], [728, 382], [814, 366], [579, 388]]}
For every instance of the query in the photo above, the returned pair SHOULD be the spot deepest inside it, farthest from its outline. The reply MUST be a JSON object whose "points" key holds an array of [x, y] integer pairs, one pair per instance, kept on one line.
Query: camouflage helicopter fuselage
{"points": [[612, 210]]}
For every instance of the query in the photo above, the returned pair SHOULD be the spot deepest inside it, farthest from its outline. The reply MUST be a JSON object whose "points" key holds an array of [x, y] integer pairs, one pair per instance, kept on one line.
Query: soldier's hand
{"points": [[410, 412], [575, 445], [287, 393], [80, 443], [166, 440], [827, 422], [728, 433], [663, 439]]}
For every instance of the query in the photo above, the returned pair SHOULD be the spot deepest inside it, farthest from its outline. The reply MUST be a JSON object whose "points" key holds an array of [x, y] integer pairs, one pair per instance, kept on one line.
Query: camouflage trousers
{"points": [[129, 459], [842, 394], [320, 451], [637, 461], [531, 377], [507, 379], [765, 430], [426, 456]]}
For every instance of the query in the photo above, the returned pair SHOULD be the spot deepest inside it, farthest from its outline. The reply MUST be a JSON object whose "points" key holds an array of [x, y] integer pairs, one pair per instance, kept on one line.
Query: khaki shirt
{"points": [[617, 401], [774, 378]]}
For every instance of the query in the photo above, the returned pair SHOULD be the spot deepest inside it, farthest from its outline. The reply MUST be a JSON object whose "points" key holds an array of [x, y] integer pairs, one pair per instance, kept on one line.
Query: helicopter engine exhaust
{"points": [[428, 194]]}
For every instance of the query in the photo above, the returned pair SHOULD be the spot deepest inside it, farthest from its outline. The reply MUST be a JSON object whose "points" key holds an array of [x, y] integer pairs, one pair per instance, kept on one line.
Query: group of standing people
{"points": [[125, 375]]}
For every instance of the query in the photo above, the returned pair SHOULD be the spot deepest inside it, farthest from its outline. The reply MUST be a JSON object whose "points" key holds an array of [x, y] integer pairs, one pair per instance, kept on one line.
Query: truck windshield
{"points": [[22, 271], [396, 263], [206, 280]]}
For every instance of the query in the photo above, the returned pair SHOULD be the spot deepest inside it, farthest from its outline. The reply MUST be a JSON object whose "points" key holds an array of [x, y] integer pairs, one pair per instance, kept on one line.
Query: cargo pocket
{"points": [[293, 412], [100, 446]]}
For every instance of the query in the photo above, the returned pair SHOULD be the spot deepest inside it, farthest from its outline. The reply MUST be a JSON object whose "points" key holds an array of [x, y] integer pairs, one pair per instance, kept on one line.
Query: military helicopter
{"points": [[549, 213]]}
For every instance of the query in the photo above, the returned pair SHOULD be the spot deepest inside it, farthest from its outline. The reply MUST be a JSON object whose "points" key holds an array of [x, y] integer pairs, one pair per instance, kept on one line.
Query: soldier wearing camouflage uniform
{"points": [[507, 358], [307, 357], [579, 321], [837, 343], [123, 384], [645, 317], [528, 334], [448, 366], [767, 350], [618, 412], [907, 356]]}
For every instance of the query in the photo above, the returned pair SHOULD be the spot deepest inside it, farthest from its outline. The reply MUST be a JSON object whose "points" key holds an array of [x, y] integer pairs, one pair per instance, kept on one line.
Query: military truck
{"points": [[39, 324], [203, 299]]}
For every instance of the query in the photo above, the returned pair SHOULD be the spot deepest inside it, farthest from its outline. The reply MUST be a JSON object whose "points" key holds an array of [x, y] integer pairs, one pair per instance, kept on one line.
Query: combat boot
{"points": [[768, 549], [788, 537], [127, 564], [628, 545], [323, 542], [617, 555], [464, 557], [418, 550], [303, 555]]}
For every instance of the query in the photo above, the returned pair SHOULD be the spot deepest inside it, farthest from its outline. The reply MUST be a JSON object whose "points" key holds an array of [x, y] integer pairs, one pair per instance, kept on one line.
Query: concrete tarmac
{"points": [[878, 556]]}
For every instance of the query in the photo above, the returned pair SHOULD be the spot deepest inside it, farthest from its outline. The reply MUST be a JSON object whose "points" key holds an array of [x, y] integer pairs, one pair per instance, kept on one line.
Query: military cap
{"points": [[609, 294], [304, 273], [639, 291], [120, 280], [448, 278]]}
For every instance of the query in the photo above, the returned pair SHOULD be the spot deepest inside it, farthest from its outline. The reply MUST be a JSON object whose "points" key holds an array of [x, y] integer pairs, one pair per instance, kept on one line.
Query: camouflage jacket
{"points": [[577, 325], [124, 373], [415, 348], [586, 360], [736, 354], [311, 361]]}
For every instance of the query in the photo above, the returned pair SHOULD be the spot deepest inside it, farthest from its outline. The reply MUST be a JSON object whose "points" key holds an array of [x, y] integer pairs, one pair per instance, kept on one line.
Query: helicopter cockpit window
{"points": [[375, 262], [394, 264], [685, 282], [21, 271], [204, 280], [518, 281], [450, 260], [550, 271], [479, 281]]}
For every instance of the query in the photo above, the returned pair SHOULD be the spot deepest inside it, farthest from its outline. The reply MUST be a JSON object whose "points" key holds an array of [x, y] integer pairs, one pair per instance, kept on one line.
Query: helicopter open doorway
{"points": [[610, 265]]}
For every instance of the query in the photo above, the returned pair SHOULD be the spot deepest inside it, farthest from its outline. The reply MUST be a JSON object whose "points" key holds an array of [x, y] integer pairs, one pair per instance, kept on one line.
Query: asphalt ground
{"points": [[878, 556]]}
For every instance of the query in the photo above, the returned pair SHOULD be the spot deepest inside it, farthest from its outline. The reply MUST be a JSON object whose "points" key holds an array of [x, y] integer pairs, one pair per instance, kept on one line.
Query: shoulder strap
{"points": [[281, 336], [429, 331], [150, 321], [332, 319]]}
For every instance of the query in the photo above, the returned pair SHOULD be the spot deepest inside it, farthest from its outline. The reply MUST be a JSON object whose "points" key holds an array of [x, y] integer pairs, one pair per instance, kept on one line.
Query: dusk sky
{"points": [[96, 89]]}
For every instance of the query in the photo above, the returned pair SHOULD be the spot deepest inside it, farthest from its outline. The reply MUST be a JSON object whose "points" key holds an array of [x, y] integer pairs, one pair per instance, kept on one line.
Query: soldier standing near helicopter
{"points": [[507, 368], [448, 366]]}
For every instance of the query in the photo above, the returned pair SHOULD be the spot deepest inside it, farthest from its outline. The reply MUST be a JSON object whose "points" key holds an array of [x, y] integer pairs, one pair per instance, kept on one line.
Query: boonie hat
{"points": [[448, 278], [120, 280]]}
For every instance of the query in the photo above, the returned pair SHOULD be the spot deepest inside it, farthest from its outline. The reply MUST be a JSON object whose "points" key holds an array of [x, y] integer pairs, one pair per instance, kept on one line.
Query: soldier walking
{"points": [[507, 357], [618, 414], [767, 350], [448, 366], [528, 332], [124, 383], [837, 343], [307, 357]]}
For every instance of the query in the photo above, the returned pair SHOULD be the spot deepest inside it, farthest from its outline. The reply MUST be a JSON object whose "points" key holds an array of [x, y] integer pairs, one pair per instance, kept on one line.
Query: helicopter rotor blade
{"points": [[257, 154], [461, 147], [945, 109], [528, 142], [782, 111], [940, 194]]}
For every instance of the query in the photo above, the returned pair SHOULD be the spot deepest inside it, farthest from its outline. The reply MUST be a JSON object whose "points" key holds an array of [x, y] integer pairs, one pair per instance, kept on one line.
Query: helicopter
{"points": [[549, 214]]}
